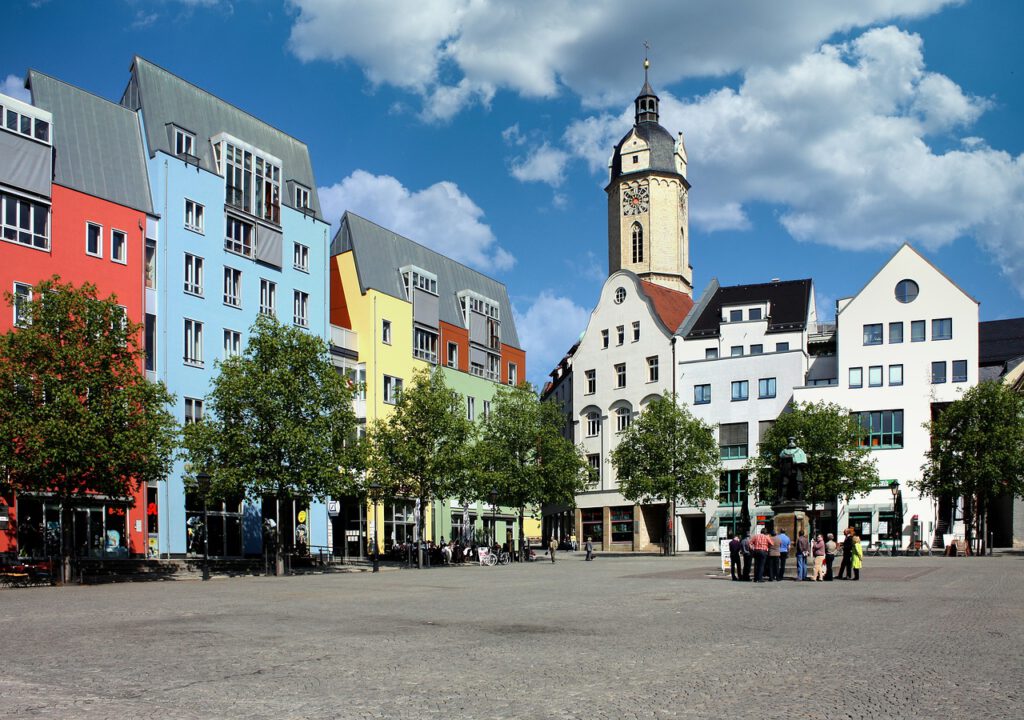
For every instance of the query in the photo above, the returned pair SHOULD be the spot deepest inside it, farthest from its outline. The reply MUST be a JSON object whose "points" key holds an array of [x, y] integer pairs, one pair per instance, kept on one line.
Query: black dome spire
{"points": [[646, 102]]}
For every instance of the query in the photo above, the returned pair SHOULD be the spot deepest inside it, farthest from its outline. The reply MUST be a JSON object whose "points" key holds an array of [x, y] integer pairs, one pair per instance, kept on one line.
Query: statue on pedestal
{"points": [[792, 461]]}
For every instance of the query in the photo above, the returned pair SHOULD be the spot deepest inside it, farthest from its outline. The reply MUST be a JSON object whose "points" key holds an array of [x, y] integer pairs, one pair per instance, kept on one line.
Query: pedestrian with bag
{"points": [[818, 551]]}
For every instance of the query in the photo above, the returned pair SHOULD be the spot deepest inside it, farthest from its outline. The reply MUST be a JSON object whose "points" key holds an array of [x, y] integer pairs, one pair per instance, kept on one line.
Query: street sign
{"points": [[334, 508]]}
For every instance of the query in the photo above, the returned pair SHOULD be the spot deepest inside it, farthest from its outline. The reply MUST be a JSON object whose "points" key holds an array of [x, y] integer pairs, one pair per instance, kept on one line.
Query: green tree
{"points": [[280, 424], [977, 452], [838, 465], [419, 450], [667, 454], [77, 415], [523, 456]]}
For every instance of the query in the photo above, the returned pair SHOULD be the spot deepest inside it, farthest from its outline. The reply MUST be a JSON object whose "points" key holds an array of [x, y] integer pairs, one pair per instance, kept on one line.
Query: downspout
{"points": [[162, 370]]}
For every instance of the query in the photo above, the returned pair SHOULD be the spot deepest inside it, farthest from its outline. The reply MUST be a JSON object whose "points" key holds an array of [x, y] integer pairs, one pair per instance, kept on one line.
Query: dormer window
{"points": [[252, 178], [301, 197], [418, 279], [24, 119], [184, 143]]}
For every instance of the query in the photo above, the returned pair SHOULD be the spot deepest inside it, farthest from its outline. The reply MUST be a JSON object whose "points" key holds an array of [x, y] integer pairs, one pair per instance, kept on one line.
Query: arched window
{"points": [[638, 243], [623, 418], [593, 423]]}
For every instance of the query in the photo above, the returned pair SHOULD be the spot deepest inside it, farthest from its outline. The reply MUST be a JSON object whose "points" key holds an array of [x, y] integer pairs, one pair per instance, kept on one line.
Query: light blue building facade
{"points": [[240, 233]]}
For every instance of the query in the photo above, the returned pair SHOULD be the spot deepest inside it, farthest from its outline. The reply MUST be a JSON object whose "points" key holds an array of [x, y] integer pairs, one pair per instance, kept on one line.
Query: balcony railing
{"points": [[344, 338]]}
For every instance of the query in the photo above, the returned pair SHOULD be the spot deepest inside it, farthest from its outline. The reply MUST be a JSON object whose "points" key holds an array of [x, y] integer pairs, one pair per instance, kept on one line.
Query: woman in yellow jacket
{"points": [[858, 557]]}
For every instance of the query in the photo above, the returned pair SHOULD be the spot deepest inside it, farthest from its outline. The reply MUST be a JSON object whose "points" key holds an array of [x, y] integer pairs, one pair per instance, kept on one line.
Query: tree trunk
{"points": [[969, 521], [421, 526], [278, 550], [66, 549], [522, 534]]}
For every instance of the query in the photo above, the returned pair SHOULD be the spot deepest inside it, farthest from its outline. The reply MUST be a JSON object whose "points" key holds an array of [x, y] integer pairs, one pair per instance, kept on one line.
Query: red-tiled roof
{"points": [[672, 306]]}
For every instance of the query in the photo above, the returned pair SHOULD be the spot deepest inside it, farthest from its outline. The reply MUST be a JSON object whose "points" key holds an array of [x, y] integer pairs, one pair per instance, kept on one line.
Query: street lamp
{"points": [[375, 494], [894, 486], [203, 480], [494, 517]]}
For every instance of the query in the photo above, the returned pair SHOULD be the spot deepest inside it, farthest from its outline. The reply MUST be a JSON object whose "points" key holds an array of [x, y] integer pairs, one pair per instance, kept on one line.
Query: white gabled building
{"points": [[907, 344], [623, 361], [740, 353]]}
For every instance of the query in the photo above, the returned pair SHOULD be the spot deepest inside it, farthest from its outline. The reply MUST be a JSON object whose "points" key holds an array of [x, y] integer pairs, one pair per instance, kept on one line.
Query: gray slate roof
{"points": [[165, 98], [98, 144], [663, 149], [381, 253], [789, 299]]}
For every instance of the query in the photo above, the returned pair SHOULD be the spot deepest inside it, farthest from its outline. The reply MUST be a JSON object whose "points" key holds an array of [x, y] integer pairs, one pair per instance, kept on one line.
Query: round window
{"points": [[906, 291], [620, 295]]}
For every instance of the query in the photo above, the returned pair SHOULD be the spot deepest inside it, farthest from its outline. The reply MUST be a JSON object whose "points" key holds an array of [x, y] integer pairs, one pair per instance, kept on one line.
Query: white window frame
{"points": [[620, 375], [301, 197], [453, 357], [123, 260], [593, 423], [196, 219], [232, 343], [513, 374], [300, 257], [300, 308], [636, 331], [392, 389], [193, 410], [623, 419], [470, 408], [590, 378], [653, 370], [193, 348], [385, 331], [99, 239], [193, 272], [184, 143], [25, 296], [12, 205], [268, 297], [244, 244], [232, 287]]}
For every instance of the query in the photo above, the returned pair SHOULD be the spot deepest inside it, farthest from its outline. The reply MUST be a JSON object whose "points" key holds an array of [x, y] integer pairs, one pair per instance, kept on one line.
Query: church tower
{"points": [[647, 190]]}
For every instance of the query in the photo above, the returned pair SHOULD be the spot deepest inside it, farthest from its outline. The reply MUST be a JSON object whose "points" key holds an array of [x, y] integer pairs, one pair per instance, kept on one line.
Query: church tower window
{"points": [[638, 243]]}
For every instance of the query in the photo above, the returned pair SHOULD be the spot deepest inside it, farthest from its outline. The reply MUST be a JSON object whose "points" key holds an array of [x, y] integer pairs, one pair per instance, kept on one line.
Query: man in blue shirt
{"points": [[783, 554]]}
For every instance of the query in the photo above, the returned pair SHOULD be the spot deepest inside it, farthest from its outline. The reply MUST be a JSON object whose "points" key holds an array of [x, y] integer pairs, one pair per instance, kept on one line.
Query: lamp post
{"points": [[375, 494], [203, 481], [894, 486], [494, 517]]}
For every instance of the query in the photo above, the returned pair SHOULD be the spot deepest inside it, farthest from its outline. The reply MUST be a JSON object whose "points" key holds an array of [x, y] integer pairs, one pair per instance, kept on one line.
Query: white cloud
{"points": [[840, 141], [543, 163], [456, 52], [14, 86], [441, 216], [547, 329]]}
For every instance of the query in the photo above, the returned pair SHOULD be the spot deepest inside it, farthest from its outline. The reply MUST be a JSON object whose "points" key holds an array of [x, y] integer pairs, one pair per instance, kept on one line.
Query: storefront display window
{"points": [[593, 525], [622, 524]]}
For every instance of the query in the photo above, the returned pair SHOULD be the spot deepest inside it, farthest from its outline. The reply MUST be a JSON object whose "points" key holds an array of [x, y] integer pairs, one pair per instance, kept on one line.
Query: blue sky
{"points": [[821, 135]]}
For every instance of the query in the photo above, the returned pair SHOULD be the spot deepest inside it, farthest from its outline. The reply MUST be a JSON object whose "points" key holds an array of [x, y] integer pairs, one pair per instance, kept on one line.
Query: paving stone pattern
{"points": [[618, 638]]}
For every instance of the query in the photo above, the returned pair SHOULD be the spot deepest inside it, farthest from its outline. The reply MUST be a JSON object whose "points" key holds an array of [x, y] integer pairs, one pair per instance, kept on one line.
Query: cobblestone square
{"points": [[615, 638]]}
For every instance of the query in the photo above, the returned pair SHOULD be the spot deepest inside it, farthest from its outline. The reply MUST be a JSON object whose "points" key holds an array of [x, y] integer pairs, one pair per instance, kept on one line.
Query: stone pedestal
{"points": [[791, 517]]}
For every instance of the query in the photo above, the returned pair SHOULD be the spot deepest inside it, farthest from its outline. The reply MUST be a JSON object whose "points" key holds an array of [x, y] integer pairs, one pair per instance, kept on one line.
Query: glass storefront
{"points": [[99, 529], [225, 526], [622, 524], [592, 521]]}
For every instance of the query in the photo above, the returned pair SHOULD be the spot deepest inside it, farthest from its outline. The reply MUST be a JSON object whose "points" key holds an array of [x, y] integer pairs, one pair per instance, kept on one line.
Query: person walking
{"points": [[589, 547], [803, 549], [845, 566], [735, 550], [748, 555], [774, 554], [857, 557], [818, 552], [784, 543], [552, 546], [760, 544]]}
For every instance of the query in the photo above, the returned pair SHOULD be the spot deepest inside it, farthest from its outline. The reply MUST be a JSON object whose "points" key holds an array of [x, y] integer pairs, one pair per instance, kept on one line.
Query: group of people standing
{"points": [[768, 553]]}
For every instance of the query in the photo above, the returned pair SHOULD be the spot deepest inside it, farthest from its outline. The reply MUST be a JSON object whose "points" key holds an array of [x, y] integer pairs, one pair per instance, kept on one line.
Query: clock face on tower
{"points": [[634, 201]]}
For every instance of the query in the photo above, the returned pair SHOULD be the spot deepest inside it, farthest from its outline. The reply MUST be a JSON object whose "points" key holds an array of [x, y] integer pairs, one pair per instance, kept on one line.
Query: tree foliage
{"points": [[77, 414], [522, 454], [667, 454], [420, 449], [977, 446], [279, 421], [837, 464]]}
